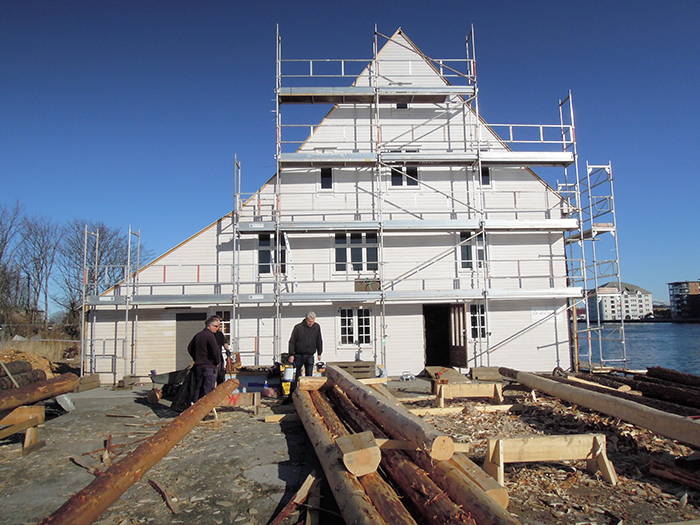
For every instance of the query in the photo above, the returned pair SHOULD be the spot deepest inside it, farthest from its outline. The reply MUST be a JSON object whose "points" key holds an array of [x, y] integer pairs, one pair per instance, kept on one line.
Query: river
{"points": [[670, 345]]}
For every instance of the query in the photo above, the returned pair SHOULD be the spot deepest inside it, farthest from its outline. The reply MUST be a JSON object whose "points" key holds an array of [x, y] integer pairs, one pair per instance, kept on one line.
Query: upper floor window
{"points": [[485, 176], [266, 252], [472, 249], [362, 248], [404, 176], [326, 178]]}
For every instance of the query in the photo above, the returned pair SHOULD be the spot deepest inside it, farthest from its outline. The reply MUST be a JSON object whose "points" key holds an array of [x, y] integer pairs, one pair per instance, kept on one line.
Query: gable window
{"points": [[472, 250], [363, 248], [404, 176], [477, 321], [266, 251], [355, 326], [326, 178]]}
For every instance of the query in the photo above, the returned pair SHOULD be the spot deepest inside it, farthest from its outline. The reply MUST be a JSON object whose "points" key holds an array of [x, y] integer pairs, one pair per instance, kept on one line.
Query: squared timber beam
{"points": [[590, 447]]}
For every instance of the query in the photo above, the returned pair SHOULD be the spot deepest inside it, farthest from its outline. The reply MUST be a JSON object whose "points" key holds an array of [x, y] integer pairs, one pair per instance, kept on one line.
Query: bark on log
{"points": [[670, 425], [394, 415], [679, 475], [29, 394], [429, 499], [353, 502], [673, 375], [671, 394], [84, 507], [383, 497], [23, 379], [16, 367], [658, 404], [463, 491]]}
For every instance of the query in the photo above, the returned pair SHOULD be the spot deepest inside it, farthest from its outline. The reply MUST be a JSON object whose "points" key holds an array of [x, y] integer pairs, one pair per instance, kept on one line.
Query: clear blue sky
{"points": [[130, 112]]}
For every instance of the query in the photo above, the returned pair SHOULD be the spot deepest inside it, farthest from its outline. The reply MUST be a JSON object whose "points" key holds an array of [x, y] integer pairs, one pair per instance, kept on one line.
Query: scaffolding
{"points": [[385, 152], [593, 261], [382, 147]]}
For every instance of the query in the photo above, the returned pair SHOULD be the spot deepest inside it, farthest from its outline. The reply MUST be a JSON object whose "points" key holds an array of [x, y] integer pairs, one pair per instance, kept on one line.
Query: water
{"points": [[669, 345]]}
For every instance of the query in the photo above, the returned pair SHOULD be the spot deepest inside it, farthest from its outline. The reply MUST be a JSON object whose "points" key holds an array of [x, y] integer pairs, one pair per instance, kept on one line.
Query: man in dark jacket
{"points": [[207, 358], [305, 342]]}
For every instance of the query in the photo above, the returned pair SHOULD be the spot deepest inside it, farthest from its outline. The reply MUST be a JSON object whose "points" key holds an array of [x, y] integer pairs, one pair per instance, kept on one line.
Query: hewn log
{"points": [[361, 454], [658, 404], [23, 379], [669, 425], [394, 415], [353, 502], [427, 496], [674, 375], [85, 506], [383, 497], [485, 482], [463, 491], [29, 394], [15, 367]]}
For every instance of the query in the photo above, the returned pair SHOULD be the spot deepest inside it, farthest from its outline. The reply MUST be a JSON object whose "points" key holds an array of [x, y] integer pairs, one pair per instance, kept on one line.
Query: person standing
{"points": [[206, 353], [305, 341]]}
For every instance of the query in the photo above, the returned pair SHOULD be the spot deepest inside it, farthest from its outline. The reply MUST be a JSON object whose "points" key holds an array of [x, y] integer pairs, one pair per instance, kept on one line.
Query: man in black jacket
{"points": [[207, 358], [305, 342]]}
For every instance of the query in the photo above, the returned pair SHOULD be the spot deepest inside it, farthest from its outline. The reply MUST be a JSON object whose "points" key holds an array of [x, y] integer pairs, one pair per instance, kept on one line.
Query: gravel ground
{"points": [[240, 470]]}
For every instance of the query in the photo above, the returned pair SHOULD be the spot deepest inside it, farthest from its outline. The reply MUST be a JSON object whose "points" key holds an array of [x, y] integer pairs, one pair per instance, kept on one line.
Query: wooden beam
{"points": [[548, 448], [374, 381], [311, 383], [279, 418], [475, 473], [394, 415], [84, 507], [436, 411], [20, 414], [297, 500], [361, 454], [352, 500], [471, 390], [669, 425]]}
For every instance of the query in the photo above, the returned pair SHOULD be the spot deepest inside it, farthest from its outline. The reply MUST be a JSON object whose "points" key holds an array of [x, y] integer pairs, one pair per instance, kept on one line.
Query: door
{"points": [[458, 335]]}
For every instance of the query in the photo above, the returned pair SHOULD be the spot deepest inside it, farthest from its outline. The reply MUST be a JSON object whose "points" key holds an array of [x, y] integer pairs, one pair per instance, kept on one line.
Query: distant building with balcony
{"points": [[684, 297], [609, 304]]}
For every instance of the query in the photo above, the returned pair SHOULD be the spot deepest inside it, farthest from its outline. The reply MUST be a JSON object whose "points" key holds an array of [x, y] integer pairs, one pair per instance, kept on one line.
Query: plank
{"points": [[23, 413], [436, 411]]}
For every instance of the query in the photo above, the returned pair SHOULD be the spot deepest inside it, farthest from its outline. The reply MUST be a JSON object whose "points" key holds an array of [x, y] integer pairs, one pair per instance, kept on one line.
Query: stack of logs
{"points": [[421, 479], [20, 374]]}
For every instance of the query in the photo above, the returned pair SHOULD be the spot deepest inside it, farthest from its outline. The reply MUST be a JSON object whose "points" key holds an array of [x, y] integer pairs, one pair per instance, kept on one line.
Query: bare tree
{"points": [[12, 290], [41, 238]]}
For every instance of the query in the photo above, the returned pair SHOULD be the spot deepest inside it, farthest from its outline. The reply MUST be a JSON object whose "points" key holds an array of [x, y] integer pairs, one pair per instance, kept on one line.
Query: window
{"points": [[404, 175], [355, 326], [477, 321], [326, 178], [225, 316], [401, 105], [364, 253], [472, 249], [266, 250], [485, 176]]}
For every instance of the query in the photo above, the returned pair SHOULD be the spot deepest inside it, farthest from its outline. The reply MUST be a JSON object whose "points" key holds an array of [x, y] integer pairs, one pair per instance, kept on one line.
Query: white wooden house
{"points": [[417, 234]]}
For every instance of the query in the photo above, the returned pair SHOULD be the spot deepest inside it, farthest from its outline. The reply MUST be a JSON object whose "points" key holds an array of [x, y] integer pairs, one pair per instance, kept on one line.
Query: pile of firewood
{"points": [[16, 374], [354, 428]]}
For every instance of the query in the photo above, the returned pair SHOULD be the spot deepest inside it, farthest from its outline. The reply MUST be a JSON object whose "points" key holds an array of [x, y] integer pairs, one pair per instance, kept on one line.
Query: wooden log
{"points": [[311, 382], [29, 394], [463, 491], [609, 385], [383, 497], [435, 506], [673, 375], [670, 425], [485, 482], [673, 473], [394, 415], [15, 368], [84, 507], [23, 379], [679, 396], [353, 502], [658, 404], [361, 454]]}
